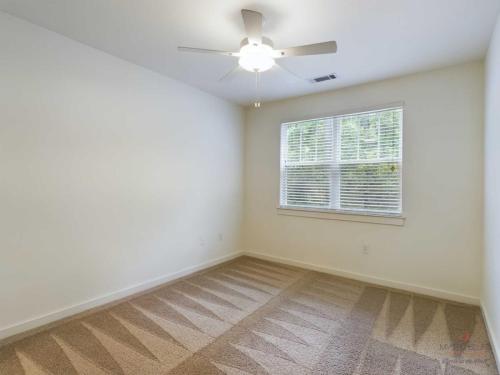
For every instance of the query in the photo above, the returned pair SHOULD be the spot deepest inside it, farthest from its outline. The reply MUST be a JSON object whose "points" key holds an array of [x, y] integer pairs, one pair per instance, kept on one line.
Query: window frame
{"points": [[338, 214]]}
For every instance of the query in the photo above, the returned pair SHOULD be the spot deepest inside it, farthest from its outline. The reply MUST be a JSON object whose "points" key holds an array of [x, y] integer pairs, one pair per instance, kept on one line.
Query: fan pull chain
{"points": [[257, 90]]}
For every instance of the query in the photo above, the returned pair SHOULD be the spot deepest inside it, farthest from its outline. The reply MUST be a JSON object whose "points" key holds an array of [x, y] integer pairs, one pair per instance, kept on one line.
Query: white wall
{"points": [[110, 175], [491, 273], [439, 248]]}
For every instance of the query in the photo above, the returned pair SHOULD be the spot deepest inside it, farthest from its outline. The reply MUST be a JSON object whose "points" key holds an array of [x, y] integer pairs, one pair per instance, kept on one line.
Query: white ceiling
{"points": [[376, 38]]}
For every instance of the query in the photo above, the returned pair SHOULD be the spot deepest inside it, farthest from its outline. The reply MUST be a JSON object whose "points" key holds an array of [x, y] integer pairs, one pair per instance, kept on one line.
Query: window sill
{"points": [[396, 220]]}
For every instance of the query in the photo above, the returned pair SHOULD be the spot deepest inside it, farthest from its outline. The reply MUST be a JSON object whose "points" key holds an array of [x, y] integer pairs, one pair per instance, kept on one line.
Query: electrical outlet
{"points": [[221, 237], [366, 249]]}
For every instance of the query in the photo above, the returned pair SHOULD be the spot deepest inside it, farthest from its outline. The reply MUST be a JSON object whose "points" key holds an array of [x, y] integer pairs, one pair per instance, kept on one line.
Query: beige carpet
{"points": [[257, 317]]}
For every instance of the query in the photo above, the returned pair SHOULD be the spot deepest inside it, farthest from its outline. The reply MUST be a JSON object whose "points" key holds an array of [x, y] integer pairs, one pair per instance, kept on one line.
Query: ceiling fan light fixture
{"points": [[256, 57]]}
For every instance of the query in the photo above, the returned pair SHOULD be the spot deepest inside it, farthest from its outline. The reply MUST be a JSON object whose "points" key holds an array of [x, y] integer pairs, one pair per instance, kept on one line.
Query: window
{"points": [[348, 163]]}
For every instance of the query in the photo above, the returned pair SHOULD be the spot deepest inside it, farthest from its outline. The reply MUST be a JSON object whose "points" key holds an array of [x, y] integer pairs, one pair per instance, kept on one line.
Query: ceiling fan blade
{"points": [[284, 69], [253, 25], [230, 75], [309, 49], [203, 50]]}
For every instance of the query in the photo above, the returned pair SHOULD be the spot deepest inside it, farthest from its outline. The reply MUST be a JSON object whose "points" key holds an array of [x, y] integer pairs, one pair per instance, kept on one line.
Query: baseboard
{"points": [[438, 293], [495, 344], [31, 324]]}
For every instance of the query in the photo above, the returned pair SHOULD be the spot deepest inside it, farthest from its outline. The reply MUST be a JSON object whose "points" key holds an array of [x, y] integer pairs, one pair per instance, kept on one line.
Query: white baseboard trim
{"points": [[495, 344], [66, 312], [438, 293]]}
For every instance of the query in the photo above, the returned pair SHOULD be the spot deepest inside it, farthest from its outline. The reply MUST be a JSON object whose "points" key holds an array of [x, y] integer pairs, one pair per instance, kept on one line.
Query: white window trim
{"points": [[344, 215], [359, 217]]}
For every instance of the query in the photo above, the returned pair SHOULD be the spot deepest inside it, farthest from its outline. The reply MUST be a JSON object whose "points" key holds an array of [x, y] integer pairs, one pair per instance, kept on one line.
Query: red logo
{"points": [[466, 337]]}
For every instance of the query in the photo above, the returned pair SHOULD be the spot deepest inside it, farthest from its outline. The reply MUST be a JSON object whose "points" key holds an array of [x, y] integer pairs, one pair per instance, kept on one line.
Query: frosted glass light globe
{"points": [[256, 58]]}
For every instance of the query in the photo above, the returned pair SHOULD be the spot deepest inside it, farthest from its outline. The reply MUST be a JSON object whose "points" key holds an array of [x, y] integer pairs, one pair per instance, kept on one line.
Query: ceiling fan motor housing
{"points": [[265, 40]]}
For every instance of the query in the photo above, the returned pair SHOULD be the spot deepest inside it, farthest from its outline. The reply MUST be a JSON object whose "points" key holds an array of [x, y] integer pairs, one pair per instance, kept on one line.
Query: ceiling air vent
{"points": [[324, 78]]}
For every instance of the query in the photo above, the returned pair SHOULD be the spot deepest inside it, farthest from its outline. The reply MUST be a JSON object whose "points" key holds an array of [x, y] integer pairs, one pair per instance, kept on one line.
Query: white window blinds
{"points": [[344, 163]]}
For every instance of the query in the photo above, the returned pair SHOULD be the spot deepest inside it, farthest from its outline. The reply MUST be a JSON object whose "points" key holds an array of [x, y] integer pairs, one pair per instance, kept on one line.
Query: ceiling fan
{"points": [[257, 53]]}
